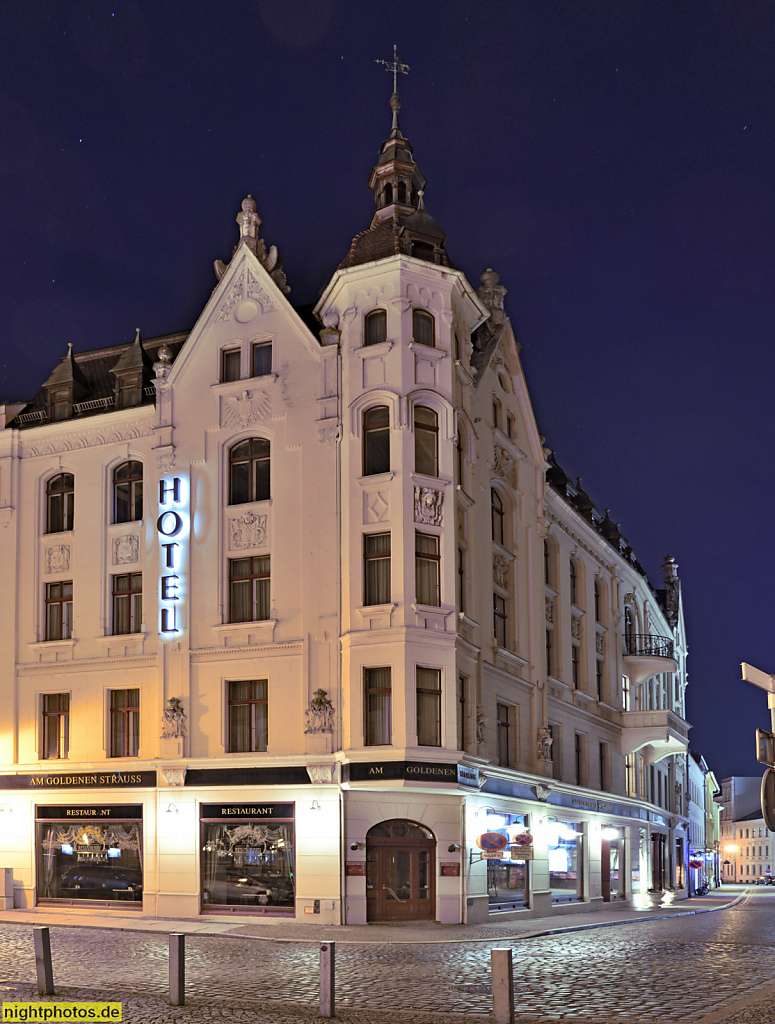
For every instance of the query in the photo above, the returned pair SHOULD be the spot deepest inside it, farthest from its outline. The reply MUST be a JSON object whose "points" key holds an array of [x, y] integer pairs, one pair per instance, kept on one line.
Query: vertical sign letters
{"points": [[172, 526]]}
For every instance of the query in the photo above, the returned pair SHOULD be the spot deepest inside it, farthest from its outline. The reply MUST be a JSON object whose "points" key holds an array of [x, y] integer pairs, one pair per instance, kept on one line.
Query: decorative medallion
{"points": [[376, 507], [248, 531], [58, 558], [173, 720], [319, 716], [126, 549], [428, 506], [244, 294]]}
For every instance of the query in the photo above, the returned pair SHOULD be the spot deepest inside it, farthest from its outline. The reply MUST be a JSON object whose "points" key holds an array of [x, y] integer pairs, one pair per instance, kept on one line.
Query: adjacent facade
{"points": [[304, 619], [747, 852]]}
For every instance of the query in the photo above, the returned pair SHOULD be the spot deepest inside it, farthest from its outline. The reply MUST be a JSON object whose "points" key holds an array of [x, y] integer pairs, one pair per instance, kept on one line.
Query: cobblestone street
{"points": [[649, 972]]}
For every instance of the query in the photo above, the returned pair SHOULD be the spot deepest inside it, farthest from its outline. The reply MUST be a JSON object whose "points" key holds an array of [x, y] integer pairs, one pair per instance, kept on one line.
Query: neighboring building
{"points": [[298, 615], [752, 854], [704, 824], [740, 802]]}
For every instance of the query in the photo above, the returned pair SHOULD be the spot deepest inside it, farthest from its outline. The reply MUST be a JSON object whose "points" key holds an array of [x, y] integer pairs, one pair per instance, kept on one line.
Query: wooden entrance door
{"points": [[400, 872]]}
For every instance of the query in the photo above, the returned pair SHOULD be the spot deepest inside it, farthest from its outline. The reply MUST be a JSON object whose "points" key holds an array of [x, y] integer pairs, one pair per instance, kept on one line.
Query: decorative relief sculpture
{"points": [[600, 643], [428, 506], [327, 434], [575, 627], [549, 609], [248, 531], [165, 460], [503, 466], [544, 744], [245, 286], [126, 549], [246, 408], [58, 558], [319, 716], [90, 441], [173, 720], [6, 515], [174, 776], [481, 726], [321, 773], [376, 506], [500, 571], [678, 808]]}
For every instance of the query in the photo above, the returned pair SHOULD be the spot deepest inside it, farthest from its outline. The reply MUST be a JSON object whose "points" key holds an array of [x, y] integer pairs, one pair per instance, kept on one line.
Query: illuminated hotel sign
{"points": [[173, 527]]}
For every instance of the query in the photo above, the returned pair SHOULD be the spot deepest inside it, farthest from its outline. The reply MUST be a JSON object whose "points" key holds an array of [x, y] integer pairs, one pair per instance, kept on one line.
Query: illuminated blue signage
{"points": [[173, 527]]}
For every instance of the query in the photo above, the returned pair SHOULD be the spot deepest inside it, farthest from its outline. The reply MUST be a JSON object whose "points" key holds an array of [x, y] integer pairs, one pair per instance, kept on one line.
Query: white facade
{"points": [[300, 614]]}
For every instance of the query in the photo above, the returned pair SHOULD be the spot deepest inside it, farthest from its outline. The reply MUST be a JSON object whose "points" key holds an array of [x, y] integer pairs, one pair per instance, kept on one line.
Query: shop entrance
{"points": [[400, 872]]}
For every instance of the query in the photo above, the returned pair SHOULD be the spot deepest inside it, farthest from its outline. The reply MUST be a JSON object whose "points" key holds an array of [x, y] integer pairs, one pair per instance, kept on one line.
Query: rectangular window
{"points": [[549, 659], [129, 391], [127, 603], [377, 693], [231, 359], [428, 707], [261, 359], [599, 678], [575, 667], [603, 761], [376, 568], [248, 714], [249, 589], [59, 610], [503, 727], [461, 580], [555, 732], [59, 405], [462, 709], [56, 725], [579, 765], [629, 770], [499, 619], [426, 567], [124, 723]]}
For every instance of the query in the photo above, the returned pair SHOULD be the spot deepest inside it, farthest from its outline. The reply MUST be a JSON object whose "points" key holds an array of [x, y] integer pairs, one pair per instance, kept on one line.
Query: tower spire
{"points": [[398, 68]]}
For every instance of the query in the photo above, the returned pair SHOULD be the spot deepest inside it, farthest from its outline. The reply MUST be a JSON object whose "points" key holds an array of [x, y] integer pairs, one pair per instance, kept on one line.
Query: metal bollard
{"points": [[43, 961], [327, 961], [177, 968], [502, 986]]}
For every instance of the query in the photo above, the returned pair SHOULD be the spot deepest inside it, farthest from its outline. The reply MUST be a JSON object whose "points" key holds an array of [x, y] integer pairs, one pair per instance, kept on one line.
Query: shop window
{"points": [[376, 568], [426, 441], [261, 359], [60, 503], [127, 603], [427, 569], [249, 463], [231, 360], [376, 441], [91, 859], [128, 492], [428, 707], [507, 880], [377, 705], [249, 588], [565, 861], [248, 859], [375, 327], [423, 328], [59, 610], [248, 712], [56, 725], [503, 735], [124, 723]]}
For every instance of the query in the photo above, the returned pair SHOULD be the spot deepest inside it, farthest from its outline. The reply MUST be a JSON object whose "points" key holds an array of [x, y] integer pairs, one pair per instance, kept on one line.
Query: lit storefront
{"points": [[564, 850]]}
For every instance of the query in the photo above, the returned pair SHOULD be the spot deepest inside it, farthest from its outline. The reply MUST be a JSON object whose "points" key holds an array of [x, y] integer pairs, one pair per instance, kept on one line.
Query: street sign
{"points": [[758, 678], [768, 798], [765, 747], [492, 841]]}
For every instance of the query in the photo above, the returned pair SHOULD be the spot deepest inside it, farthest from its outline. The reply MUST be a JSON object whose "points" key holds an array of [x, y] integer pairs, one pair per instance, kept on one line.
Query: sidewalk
{"points": [[278, 930]]}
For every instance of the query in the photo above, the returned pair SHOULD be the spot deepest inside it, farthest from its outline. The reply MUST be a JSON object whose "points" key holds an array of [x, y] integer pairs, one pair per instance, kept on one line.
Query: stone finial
{"points": [[163, 363], [248, 219], [492, 293], [672, 590]]}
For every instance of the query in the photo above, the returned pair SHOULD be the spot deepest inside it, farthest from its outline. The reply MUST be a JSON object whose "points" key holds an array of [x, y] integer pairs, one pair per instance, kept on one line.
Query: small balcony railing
{"points": [[644, 645]]}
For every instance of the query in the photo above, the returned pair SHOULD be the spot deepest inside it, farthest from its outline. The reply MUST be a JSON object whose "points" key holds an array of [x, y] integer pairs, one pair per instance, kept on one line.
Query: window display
{"points": [[564, 850], [507, 878]]}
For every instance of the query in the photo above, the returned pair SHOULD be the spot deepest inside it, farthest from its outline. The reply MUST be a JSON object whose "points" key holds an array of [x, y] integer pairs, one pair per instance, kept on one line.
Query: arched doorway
{"points": [[400, 872]]}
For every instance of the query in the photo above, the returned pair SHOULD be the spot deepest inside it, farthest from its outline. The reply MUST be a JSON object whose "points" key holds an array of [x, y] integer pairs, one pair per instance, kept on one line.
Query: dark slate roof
{"points": [[753, 816]]}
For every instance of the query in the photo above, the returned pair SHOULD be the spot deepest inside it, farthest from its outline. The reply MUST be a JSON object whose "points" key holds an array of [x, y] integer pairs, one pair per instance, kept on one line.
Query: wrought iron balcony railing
{"points": [[644, 645]]}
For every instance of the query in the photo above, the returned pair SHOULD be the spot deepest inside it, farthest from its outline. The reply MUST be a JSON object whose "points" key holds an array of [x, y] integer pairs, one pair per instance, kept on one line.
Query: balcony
{"points": [[656, 734], [646, 655]]}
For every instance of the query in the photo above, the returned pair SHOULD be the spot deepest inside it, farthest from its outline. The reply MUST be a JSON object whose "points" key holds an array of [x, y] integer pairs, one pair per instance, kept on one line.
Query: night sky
{"points": [[611, 159]]}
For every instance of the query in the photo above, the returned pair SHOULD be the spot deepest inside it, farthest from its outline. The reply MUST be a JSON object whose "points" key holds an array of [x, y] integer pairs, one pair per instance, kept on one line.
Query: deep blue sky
{"points": [[612, 159]]}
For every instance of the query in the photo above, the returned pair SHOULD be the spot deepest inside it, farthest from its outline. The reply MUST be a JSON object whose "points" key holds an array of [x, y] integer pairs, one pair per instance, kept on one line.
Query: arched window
{"points": [[249, 471], [376, 440], [401, 192], [375, 327], [496, 507], [423, 328], [128, 492], [388, 194], [426, 441], [60, 503]]}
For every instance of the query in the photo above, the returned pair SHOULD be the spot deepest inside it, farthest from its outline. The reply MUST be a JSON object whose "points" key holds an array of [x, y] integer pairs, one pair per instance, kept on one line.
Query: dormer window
{"points": [[59, 404], [423, 328], [375, 327], [129, 390]]}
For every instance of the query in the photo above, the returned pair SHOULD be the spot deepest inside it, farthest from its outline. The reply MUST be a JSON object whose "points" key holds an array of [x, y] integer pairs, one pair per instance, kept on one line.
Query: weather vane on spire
{"points": [[396, 66]]}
